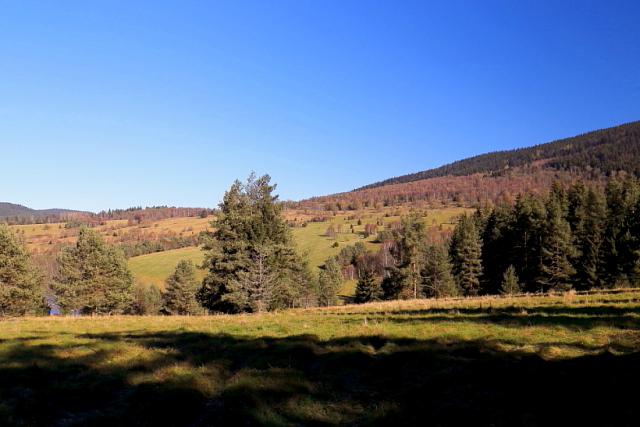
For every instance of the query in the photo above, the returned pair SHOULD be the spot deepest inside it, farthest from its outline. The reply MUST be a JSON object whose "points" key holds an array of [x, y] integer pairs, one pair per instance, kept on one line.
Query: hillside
{"points": [[499, 176], [11, 210], [604, 150]]}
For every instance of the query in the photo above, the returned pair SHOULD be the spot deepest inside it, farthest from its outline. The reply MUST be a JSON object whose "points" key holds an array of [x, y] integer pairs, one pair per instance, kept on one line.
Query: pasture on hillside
{"points": [[565, 359], [311, 239]]}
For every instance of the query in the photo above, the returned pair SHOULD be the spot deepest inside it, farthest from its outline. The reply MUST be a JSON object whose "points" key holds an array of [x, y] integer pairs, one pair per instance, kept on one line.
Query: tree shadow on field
{"points": [[571, 317], [199, 379]]}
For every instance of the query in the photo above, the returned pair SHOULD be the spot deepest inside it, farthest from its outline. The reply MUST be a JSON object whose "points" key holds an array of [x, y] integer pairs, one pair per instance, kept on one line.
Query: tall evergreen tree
{"points": [[497, 247], [181, 287], [329, 281], [404, 280], [94, 277], [611, 251], [20, 282], [557, 250], [367, 287], [437, 280], [251, 257], [588, 241], [530, 217], [465, 251]]}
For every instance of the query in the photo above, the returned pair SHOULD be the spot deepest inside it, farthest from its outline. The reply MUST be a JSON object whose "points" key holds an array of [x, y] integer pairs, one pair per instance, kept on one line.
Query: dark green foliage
{"points": [[588, 234], [510, 282], [251, 257], [367, 288], [437, 280], [617, 253], [465, 252], [94, 277], [528, 231], [180, 290], [497, 247], [557, 250], [329, 281], [404, 281], [20, 282]]}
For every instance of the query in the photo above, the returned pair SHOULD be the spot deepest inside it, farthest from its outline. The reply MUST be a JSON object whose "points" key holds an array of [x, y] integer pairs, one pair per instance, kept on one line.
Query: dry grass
{"points": [[498, 361]]}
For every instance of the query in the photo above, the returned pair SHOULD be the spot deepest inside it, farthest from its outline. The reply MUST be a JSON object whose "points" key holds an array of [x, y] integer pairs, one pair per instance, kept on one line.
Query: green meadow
{"points": [[155, 268], [566, 359]]}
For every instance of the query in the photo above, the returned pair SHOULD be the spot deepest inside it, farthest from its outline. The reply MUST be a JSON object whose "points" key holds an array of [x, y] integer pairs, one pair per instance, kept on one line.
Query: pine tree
{"points": [[510, 283], [181, 287], [403, 281], [557, 250], [611, 249], [529, 221], [251, 257], [329, 281], [465, 251], [437, 280], [588, 241], [367, 288], [20, 282], [94, 277], [497, 247]]}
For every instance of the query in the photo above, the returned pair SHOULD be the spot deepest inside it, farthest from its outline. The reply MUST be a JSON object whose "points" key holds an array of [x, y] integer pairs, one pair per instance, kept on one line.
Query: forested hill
{"points": [[605, 150], [8, 210]]}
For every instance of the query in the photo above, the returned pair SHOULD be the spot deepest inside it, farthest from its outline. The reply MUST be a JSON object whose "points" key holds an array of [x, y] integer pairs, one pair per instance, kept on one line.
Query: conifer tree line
{"points": [[569, 238]]}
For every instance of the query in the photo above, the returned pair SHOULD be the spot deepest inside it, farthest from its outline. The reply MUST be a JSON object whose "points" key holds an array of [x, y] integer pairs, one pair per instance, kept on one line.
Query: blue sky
{"points": [[112, 104]]}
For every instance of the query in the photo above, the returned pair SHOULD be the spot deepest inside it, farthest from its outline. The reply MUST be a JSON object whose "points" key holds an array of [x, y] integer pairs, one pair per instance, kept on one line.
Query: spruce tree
{"points": [[497, 247], [510, 282], [403, 281], [93, 277], [20, 282], [251, 257], [329, 281], [588, 241], [529, 221], [180, 290], [437, 280], [465, 251], [611, 249], [557, 250], [367, 288]]}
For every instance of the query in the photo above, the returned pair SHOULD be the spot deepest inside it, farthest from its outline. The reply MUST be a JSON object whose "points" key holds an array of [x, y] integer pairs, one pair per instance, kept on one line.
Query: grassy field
{"points": [[547, 360], [155, 268]]}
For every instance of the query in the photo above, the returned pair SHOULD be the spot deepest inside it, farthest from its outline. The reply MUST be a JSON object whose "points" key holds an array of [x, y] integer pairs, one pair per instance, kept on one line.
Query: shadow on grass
{"points": [[579, 318], [198, 379]]}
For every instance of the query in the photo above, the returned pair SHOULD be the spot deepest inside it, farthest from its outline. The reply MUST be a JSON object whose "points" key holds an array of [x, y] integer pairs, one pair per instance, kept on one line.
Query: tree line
{"points": [[578, 238]]}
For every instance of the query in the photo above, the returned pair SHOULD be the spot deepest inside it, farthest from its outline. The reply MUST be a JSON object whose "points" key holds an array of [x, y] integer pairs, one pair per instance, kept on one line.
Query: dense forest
{"points": [[577, 237]]}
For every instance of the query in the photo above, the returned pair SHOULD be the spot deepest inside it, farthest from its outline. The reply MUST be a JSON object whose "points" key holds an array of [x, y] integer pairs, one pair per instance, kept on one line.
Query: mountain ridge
{"points": [[608, 149]]}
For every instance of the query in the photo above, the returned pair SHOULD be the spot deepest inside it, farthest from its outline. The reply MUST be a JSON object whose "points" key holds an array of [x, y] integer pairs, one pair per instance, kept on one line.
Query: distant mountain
{"points": [[604, 151], [11, 210]]}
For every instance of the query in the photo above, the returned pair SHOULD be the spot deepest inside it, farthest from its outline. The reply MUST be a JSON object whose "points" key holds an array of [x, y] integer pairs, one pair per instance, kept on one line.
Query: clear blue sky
{"points": [[112, 104]]}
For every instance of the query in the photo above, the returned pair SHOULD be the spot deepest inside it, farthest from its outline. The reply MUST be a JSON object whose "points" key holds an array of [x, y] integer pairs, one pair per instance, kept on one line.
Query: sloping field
{"points": [[548, 360], [155, 268]]}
